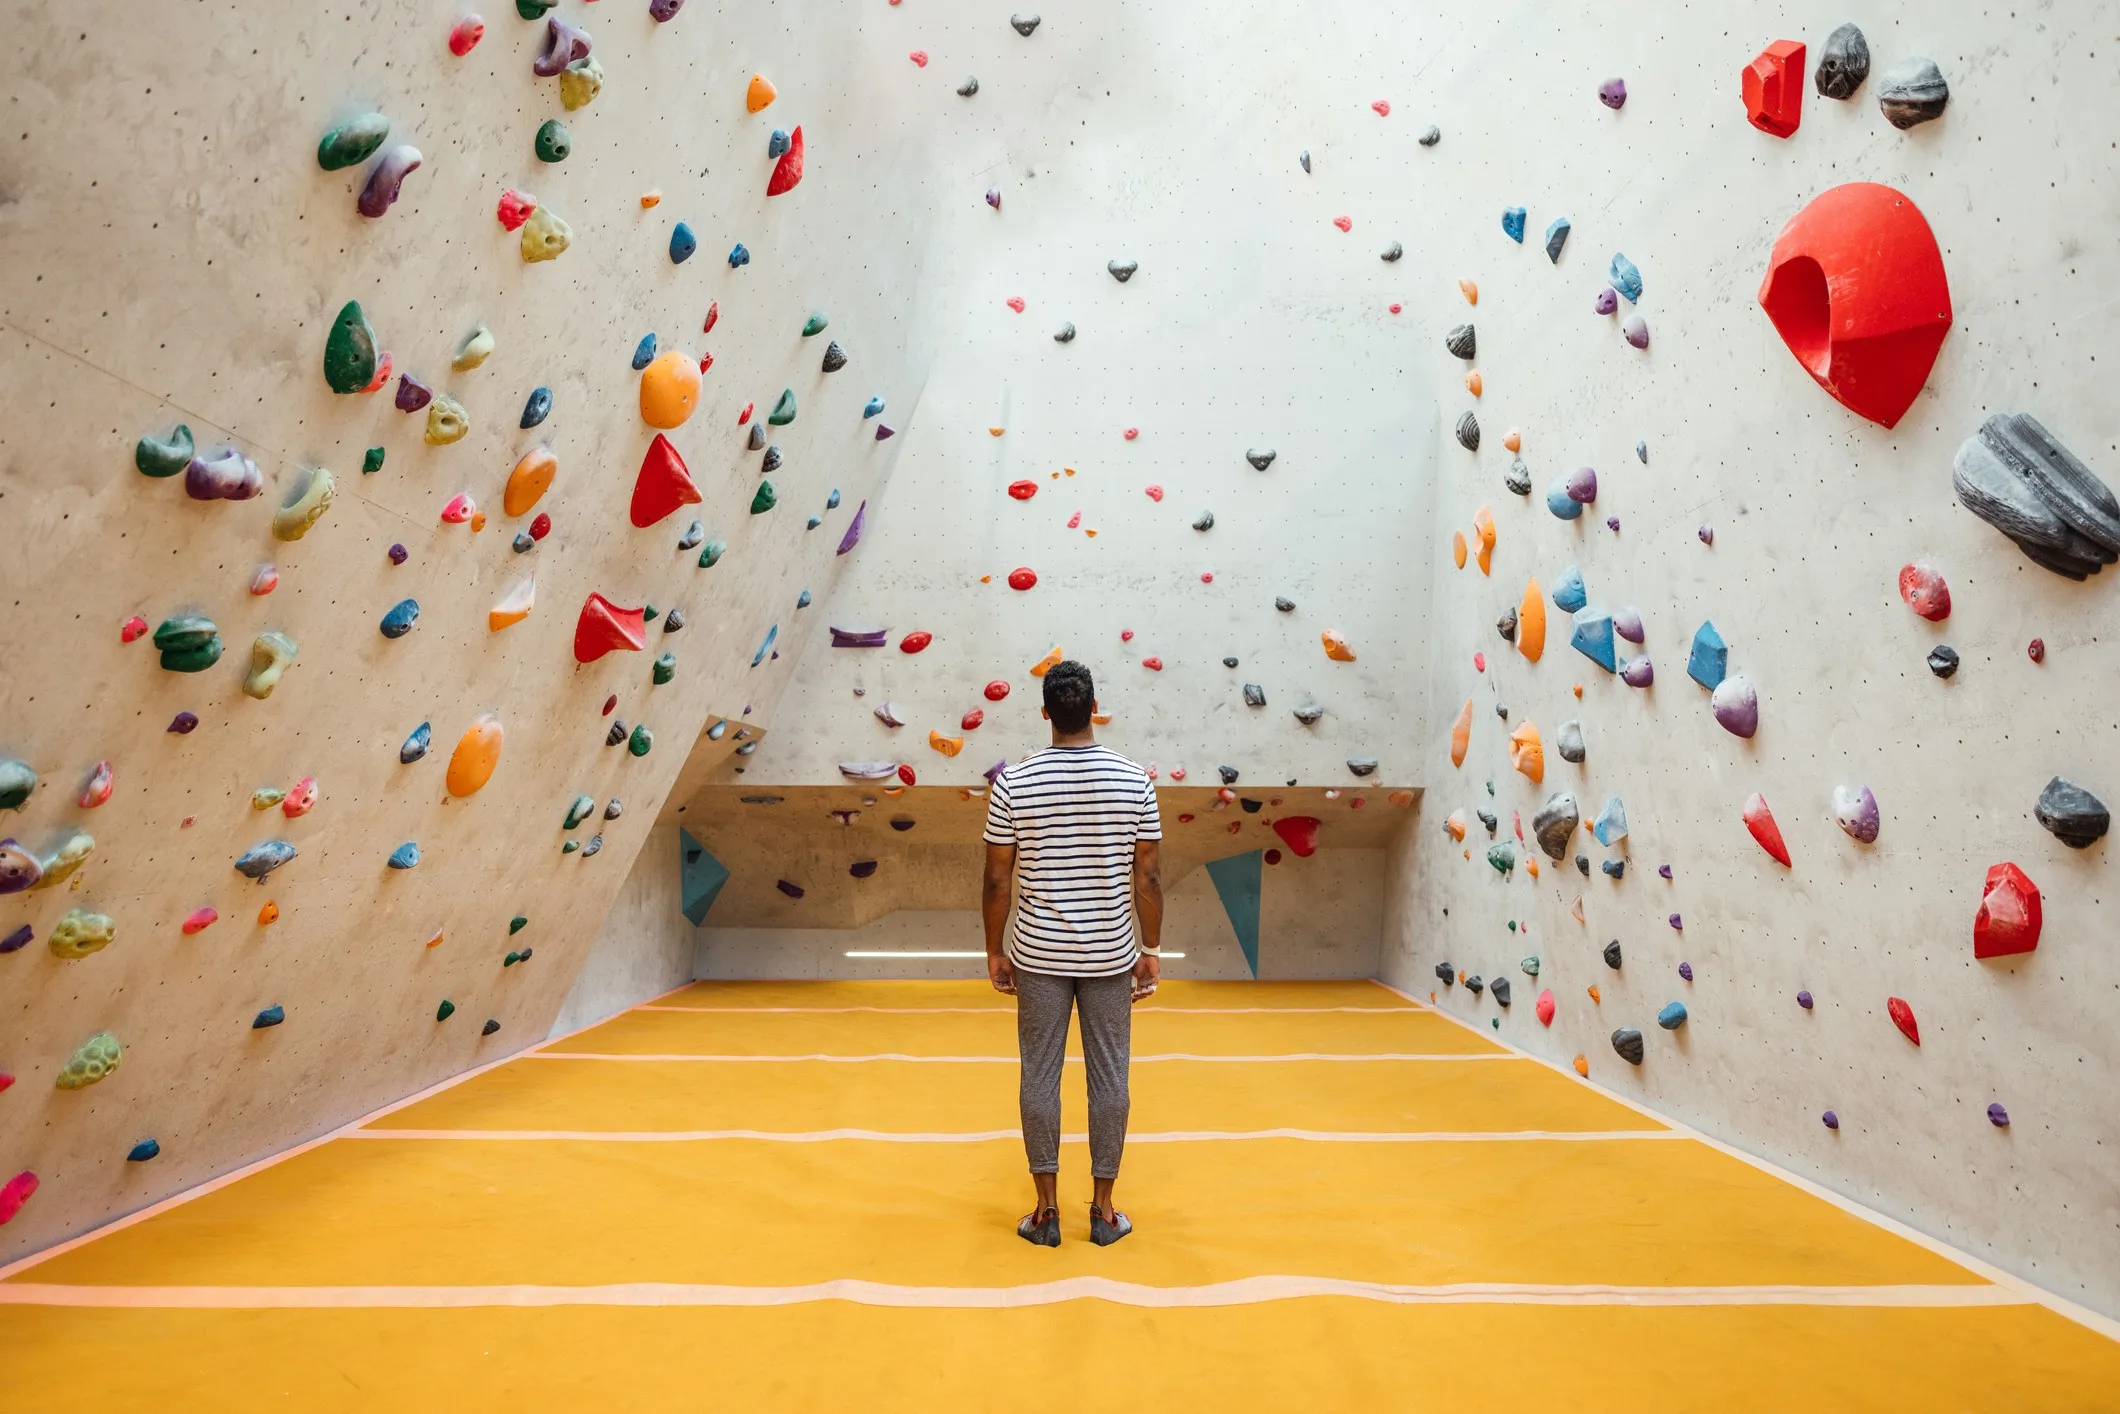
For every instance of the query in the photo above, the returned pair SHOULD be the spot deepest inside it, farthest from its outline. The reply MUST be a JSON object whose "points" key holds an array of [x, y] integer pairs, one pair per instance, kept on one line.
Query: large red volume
{"points": [[1299, 833], [2009, 919], [1856, 289], [788, 170], [605, 628], [1773, 86], [663, 484]]}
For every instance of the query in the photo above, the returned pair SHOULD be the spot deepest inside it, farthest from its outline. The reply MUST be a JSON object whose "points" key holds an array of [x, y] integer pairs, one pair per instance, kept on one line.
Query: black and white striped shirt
{"points": [[1074, 814]]}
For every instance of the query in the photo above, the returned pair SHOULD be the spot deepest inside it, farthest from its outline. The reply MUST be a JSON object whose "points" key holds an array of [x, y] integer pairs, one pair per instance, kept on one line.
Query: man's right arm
{"points": [[1148, 914]]}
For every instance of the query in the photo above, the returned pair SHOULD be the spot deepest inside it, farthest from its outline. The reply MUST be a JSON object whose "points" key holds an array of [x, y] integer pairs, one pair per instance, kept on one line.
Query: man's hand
{"points": [[1001, 974], [1146, 973]]}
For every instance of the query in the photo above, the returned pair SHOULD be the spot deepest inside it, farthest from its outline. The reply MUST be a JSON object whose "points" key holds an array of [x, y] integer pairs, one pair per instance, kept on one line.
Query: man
{"points": [[1076, 826]]}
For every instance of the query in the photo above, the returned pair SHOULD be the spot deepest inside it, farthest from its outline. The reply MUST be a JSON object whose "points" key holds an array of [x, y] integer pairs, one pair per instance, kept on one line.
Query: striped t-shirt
{"points": [[1074, 814]]}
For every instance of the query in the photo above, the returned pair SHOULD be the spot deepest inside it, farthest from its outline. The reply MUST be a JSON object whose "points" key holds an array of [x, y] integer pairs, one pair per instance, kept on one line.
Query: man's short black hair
{"points": [[1070, 696]]}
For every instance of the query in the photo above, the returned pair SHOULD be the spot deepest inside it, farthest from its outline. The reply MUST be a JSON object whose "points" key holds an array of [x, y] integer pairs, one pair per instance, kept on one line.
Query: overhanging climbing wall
{"points": [[174, 254]]}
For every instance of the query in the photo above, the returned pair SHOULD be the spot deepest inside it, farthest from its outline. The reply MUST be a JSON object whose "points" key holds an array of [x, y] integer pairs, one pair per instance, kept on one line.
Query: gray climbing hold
{"points": [[1260, 459], [1229, 662], [2072, 814], [261, 859], [694, 533], [673, 621], [1611, 826], [1614, 868], [537, 408], [1843, 63], [756, 438], [1286, 606], [1912, 92], [1518, 477], [1499, 990], [969, 87], [1445, 973], [835, 357], [1468, 431], [1474, 985], [1569, 742], [1943, 660], [1582, 865], [772, 461], [1672, 1016], [1122, 270], [1228, 774], [1489, 819], [1555, 824], [1025, 25], [1362, 765], [1628, 1043], [2017, 478], [595, 845], [1204, 521], [1506, 625], [1430, 138], [1066, 334], [1612, 956], [1462, 342], [1392, 252], [490, 1027], [271, 1016], [1501, 709], [1557, 238], [1303, 158], [1309, 713]]}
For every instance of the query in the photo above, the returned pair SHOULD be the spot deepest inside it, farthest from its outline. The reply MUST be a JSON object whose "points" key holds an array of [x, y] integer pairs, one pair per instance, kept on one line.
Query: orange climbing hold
{"points": [[651, 197], [1337, 647], [947, 745], [530, 480], [477, 752], [1531, 867], [605, 628], [759, 94], [1403, 799], [662, 485], [1531, 623], [1461, 735], [1582, 1067], [1513, 440], [1455, 825], [1049, 662], [787, 172], [269, 914], [1474, 384], [1470, 291], [1594, 996], [1483, 538], [1457, 548], [1299, 833], [995, 431], [1527, 753], [669, 390], [514, 606]]}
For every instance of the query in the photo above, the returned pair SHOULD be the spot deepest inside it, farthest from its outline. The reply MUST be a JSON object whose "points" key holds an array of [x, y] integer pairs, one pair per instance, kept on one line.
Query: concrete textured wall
{"points": [[172, 253], [645, 947]]}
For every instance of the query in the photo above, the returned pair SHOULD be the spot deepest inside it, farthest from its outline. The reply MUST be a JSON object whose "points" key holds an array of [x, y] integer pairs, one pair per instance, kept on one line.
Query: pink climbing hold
{"points": [[1345, 223], [787, 172], [465, 37], [1022, 490], [132, 629], [1479, 662], [301, 799], [1925, 592], [603, 628], [1903, 1018], [1153, 664], [1299, 833], [662, 485], [918, 56], [14, 1193], [1074, 521], [200, 920], [96, 789], [1544, 1007], [515, 208], [1154, 493], [1130, 433], [1382, 107], [1760, 821], [1015, 302], [460, 509], [1126, 635], [1022, 578], [1207, 577]]}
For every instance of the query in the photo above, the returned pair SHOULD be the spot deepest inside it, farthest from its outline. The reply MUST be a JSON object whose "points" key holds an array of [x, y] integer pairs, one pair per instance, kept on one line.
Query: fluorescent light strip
{"points": [[955, 954]]}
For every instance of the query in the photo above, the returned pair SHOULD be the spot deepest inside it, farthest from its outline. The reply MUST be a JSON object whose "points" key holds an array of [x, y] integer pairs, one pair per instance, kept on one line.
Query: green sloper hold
{"points": [[534, 9], [553, 142], [815, 324], [349, 352], [446, 1010], [189, 643], [1503, 858], [517, 924], [765, 499], [712, 553], [306, 502], [270, 653], [783, 411], [17, 780], [80, 933], [372, 460], [353, 141], [157, 457], [579, 811], [642, 741], [665, 669], [97, 1057]]}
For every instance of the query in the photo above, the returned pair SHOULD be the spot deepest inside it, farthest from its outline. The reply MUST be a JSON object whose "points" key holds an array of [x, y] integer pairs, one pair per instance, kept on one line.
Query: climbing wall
{"points": [[177, 255], [1831, 1010]]}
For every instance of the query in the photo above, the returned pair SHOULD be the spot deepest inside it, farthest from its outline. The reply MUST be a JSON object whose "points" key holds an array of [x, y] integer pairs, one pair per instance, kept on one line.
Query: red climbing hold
{"points": [[1022, 578], [1760, 821], [972, 720], [1273, 856], [914, 642], [1383, 108], [745, 415], [610, 703], [132, 629], [1299, 833], [465, 37], [1773, 88], [1903, 1018], [2009, 917], [1023, 490], [2035, 650], [706, 361], [787, 172], [918, 56], [1015, 302], [1544, 1007], [515, 208], [1925, 592], [713, 313], [200, 920], [662, 485], [905, 773], [14, 1193], [541, 527], [605, 628], [1479, 662], [1131, 433], [996, 690], [1154, 665], [1856, 289]]}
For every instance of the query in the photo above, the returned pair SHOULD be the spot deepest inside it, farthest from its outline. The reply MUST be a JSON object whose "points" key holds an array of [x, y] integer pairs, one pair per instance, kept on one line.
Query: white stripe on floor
{"points": [[986, 1136], [1009, 1060]]}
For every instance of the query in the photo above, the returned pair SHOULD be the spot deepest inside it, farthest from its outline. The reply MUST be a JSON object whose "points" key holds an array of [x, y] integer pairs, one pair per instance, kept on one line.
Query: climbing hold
{"points": [[580, 83], [1685, 971], [947, 745], [739, 256], [835, 357], [675, 620], [783, 411], [1626, 277], [1204, 521], [1337, 647], [580, 810], [1122, 270], [1024, 578], [1568, 590], [1518, 477], [545, 236], [515, 208], [1555, 824], [1628, 1043], [2010, 914], [662, 484], [1454, 825], [261, 859], [264, 579], [1855, 811], [301, 799], [1299, 833], [1803, 999], [1558, 501], [1611, 825], [1903, 1017], [1531, 623], [553, 142], [157, 457], [1856, 289], [1830, 1120], [1843, 63], [1760, 821], [350, 359], [1709, 661], [1557, 238], [270, 653], [405, 856], [1468, 431], [787, 172], [384, 180], [764, 499], [644, 351], [1627, 623], [80, 933], [1773, 88], [643, 741], [1943, 660], [2069, 812], [1362, 765], [2036, 650], [188, 644], [1527, 754], [1672, 1016], [1613, 93], [1736, 705], [1636, 331], [447, 421], [1612, 955], [1391, 252], [1345, 223], [1998, 1116], [1607, 300], [265, 797], [182, 723], [416, 744], [1469, 290], [226, 475], [305, 504], [1462, 342], [91, 1061], [603, 627], [759, 94], [1260, 457], [1513, 223], [147, 1149], [1912, 92], [669, 390], [490, 1027], [2017, 478], [564, 45], [617, 734], [459, 508], [352, 142], [514, 606]]}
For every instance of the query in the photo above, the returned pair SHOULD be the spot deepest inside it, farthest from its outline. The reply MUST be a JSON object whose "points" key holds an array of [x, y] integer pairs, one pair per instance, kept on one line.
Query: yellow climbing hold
{"points": [[545, 235], [1527, 753], [96, 1057], [530, 480], [305, 504], [1531, 623], [1048, 662], [1461, 735], [446, 421], [270, 653], [514, 606], [1337, 647], [80, 933], [947, 745], [759, 94], [477, 752], [669, 389], [475, 350], [1457, 548], [580, 82], [1483, 537]]}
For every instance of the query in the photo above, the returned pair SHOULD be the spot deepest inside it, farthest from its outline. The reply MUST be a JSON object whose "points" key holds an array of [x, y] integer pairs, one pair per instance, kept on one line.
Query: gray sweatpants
{"points": [[1043, 1002]]}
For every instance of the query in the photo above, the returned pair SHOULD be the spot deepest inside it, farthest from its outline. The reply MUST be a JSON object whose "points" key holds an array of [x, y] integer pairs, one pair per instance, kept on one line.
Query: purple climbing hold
{"points": [[1612, 524], [1636, 330], [1685, 970], [993, 772], [1855, 811], [564, 45], [993, 197], [1627, 623], [388, 175], [1638, 672], [399, 554], [227, 475], [1607, 300], [664, 11], [183, 722], [1677, 922], [1613, 93], [1803, 999], [1736, 704], [860, 637], [853, 536], [1706, 534], [791, 890], [1832, 1121], [1663, 871], [17, 940], [412, 394], [1998, 1116], [19, 870], [1581, 485], [862, 868]]}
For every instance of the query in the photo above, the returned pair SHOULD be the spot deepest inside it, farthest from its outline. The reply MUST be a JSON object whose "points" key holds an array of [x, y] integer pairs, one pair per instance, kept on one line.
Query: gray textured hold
{"points": [[1612, 958], [1912, 92], [1569, 742], [1501, 709], [1066, 334], [1628, 1043], [1229, 662], [1304, 158], [1518, 477], [1506, 625], [1025, 25], [1943, 660], [835, 357], [1445, 973], [969, 87], [1555, 824], [1393, 252], [1260, 457], [1122, 270], [1499, 990], [1254, 695], [1843, 64], [1309, 713], [1489, 819], [1474, 985], [694, 533], [1228, 774], [757, 438], [772, 460], [1468, 431], [1362, 765], [1286, 606], [1204, 521], [2072, 814], [1433, 136], [1582, 865], [1462, 342]]}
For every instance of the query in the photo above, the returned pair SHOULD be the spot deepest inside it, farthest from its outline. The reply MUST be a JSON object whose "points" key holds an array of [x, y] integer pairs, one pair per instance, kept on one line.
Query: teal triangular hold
{"points": [[701, 876], [1237, 881]]}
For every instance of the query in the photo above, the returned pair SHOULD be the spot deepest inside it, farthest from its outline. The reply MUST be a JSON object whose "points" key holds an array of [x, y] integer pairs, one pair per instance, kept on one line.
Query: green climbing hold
{"points": [[570, 846], [765, 499], [511, 959], [17, 780], [665, 668], [373, 461], [711, 555], [97, 1057], [554, 142], [265, 797], [270, 653], [80, 933], [815, 324], [1503, 858], [1530, 965], [534, 9], [158, 457], [517, 924], [642, 741], [783, 411], [446, 1010], [353, 141], [580, 810], [188, 643], [349, 352]]}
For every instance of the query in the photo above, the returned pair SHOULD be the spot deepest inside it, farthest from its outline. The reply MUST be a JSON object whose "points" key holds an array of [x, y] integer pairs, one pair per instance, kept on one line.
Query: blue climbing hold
{"points": [[803, 600], [1560, 502], [813, 522], [1513, 224], [682, 244], [399, 621], [1626, 278], [777, 143], [739, 257], [1593, 638], [143, 1151], [644, 351], [416, 745], [1672, 1017], [406, 855], [261, 859], [1709, 662], [831, 502], [765, 647], [538, 408], [1611, 825], [874, 408], [1614, 868], [1557, 238], [271, 1016], [1568, 591]]}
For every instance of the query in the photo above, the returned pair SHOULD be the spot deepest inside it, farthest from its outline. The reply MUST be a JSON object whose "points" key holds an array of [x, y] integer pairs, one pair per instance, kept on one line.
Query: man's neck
{"points": [[1086, 737]]}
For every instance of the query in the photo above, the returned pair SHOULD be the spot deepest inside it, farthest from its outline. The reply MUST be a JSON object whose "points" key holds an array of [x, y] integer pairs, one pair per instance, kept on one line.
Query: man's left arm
{"points": [[994, 894]]}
